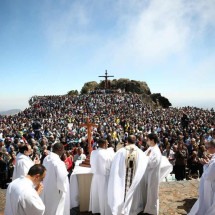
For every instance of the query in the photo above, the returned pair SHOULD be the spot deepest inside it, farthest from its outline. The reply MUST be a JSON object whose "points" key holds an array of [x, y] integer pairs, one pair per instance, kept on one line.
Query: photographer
{"points": [[36, 127], [3, 172], [180, 161]]}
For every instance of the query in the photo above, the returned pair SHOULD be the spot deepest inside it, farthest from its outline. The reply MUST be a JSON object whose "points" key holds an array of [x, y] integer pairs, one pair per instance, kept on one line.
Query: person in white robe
{"points": [[158, 168], [23, 162], [100, 162], [55, 194], [110, 148], [205, 205], [125, 194], [22, 196]]}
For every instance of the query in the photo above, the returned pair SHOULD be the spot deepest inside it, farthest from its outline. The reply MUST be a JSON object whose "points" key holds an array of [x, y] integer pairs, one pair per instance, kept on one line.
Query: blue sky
{"points": [[53, 46]]}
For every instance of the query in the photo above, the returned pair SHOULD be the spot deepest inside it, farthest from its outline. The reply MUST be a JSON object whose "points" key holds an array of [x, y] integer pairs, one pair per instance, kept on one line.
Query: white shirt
{"points": [[100, 165], [22, 166], [23, 199], [55, 194], [79, 157], [205, 205], [158, 168]]}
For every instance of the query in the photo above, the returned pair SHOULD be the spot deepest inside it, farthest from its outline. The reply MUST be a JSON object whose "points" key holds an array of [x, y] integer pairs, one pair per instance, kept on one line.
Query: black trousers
{"points": [[3, 180], [180, 172]]}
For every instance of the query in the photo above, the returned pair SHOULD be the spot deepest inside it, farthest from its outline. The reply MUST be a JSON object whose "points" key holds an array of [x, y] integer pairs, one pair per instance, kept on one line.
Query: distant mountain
{"points": [[10, 112]]}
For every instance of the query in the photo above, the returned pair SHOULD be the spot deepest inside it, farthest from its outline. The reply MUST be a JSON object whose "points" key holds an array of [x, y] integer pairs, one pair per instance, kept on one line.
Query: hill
{"points": [[10, 112], [128, 86]]}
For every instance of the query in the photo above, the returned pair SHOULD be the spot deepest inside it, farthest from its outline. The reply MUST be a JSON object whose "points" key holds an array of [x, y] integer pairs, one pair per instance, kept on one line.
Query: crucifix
{"points": [[106, 76], [89, 127]]}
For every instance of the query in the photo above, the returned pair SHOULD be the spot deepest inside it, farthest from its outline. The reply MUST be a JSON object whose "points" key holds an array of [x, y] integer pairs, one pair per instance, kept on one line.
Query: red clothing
{"points": [[68, 163]]}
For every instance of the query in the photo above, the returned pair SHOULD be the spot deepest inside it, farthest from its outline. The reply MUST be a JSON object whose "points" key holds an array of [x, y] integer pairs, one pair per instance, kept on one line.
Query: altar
{"points": [[80, 182]]}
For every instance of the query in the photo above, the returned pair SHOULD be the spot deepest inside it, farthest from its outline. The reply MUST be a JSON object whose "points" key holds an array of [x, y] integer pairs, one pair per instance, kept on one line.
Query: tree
{"points": [[89, 86], [131, 86], [73, 93]]}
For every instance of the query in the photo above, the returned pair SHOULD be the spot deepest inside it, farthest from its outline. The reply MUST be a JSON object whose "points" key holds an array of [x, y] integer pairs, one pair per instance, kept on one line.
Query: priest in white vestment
{"points": [[22, 196], [125, 194], [100, 161], [56, 185], [111, 148], [158, 168], [23, 162], [205, 205]]}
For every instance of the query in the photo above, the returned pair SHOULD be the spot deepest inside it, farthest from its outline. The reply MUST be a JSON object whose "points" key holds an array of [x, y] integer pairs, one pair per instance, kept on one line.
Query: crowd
{"points": [[183, 132]]}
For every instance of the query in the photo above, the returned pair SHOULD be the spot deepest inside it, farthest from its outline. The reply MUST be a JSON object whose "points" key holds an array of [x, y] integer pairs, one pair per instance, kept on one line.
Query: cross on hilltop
{"points": [[106, 76]]}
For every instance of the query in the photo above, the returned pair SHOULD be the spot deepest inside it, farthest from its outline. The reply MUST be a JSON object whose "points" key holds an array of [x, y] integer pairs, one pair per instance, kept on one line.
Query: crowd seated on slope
{"points": [[182, 132]]}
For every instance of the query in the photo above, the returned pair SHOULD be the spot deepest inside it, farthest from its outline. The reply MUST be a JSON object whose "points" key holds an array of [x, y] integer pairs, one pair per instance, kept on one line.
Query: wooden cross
{"points": [[106, 76], [89, 126]]}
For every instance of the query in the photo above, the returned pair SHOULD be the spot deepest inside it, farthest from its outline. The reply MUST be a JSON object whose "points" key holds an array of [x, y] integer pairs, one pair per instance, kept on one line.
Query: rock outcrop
{"points": [[130, 86]]}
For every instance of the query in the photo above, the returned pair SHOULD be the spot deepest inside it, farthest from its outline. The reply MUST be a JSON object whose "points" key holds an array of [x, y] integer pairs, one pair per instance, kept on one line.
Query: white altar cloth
{"points": [[80, 182]]}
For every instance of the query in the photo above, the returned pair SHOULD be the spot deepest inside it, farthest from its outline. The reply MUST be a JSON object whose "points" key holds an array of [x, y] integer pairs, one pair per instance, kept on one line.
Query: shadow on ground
{"points": [[187, 204]]}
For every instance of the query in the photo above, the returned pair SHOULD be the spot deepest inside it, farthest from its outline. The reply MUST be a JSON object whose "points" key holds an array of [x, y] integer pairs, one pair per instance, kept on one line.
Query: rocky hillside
{"points": [[129, 86]]}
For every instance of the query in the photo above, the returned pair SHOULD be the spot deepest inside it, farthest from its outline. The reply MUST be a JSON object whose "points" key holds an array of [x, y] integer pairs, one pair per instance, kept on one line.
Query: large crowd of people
{"points": [[182, 132], [53, 132]]}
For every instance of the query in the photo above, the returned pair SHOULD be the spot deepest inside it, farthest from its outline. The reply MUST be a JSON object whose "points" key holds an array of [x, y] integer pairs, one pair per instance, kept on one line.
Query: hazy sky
{"points": [[53, 46]]}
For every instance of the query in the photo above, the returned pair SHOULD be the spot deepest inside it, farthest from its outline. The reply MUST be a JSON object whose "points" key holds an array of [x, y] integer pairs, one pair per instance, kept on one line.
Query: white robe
{"points": [[133, 203], [55, 194], [22, 198], [158, 168], [22, 166], [111, 150], [100, 161], [205, 205]]}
